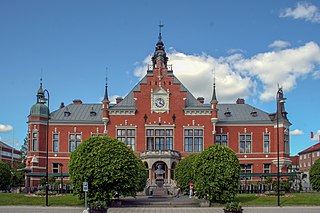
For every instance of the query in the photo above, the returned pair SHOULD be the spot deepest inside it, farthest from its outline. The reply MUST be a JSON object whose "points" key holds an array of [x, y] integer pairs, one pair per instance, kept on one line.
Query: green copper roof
{"points": [[39, 109]]}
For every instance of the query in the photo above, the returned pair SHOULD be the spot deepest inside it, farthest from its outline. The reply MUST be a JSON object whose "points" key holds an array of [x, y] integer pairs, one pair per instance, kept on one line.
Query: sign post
{"points": [[85, 189]]}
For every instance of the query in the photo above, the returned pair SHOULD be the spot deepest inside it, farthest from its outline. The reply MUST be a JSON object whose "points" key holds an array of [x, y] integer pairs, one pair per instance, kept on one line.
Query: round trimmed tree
{"points": [[109, 166], [184, 172], [217, 174], [5, 176], [315, 175]]}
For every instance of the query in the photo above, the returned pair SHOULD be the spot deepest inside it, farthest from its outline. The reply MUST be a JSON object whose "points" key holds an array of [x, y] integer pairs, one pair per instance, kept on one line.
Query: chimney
{"points": [[118, 99], [61, 105], [77, 101], [200, 99], [240, 101]]}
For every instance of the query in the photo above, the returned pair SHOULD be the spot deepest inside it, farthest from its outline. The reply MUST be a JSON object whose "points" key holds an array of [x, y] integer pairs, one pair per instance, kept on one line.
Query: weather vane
{"points": [[160, 26]]}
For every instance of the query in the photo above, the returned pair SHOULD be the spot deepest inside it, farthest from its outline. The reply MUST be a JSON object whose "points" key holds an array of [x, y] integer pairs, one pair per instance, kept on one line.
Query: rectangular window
{"points": [[300, 157], [74, 141], [305, 156], [266, 143], [35, 141], [55, 167], [222, 140], [159, 139], [55, 142], [246, 169], [127, 136], [286, 142], [266, 168], [245, 144], [193, 140]]}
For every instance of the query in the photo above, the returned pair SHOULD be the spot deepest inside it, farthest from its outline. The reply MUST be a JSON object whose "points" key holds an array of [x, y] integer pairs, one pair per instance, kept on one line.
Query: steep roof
{"points": [[78, 112], [315, 147]]}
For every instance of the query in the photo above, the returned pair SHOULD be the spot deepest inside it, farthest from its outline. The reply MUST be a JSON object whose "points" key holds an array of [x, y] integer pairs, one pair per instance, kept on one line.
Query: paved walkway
{"points": [[37, 209]]}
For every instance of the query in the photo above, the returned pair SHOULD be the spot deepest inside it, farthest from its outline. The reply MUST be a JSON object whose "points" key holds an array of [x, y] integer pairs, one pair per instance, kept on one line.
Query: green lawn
{"points": [[21, 199], [308, 199], [303, 199]]}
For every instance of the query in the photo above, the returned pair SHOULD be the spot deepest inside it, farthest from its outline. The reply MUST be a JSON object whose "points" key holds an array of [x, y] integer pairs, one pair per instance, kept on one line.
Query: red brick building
{"points": [[9, 154], [162, 122], [306, 159]]}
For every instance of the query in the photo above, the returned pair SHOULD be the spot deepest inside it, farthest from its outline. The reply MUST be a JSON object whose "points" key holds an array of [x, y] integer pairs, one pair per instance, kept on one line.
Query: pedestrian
{"points": [[191, 189], [178, 192]]}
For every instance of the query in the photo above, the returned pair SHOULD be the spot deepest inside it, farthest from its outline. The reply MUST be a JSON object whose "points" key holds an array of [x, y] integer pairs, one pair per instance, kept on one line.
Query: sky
{"points": [[250, 47]]}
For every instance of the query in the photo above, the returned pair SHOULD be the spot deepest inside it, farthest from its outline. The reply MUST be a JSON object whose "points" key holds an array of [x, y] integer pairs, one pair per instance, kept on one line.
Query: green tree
{"points": [[5, 176], [110, 167], [24, 150], [184, 172], [217, 174], [315, 175]]}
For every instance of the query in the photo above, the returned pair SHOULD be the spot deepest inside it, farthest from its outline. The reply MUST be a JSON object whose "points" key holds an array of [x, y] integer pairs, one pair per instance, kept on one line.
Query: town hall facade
{"points": [[162, 122]]}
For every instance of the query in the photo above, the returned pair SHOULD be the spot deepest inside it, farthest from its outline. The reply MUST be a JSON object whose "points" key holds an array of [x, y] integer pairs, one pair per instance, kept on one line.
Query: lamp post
{"points": [[47, 145], [61, 177], [279, 99]]}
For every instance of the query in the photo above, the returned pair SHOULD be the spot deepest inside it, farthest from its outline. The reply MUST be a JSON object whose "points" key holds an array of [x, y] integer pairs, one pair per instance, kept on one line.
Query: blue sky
{"points": [[251, 46]]}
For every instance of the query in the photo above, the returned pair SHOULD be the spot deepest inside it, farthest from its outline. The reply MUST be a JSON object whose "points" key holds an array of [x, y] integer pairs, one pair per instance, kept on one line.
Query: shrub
{"points": [[217, 173], [315, 175], [184, 172], [110, 168]]}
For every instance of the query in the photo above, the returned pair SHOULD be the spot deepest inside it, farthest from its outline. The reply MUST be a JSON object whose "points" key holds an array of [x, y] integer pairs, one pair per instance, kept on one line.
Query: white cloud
{"points": [[237, 76], [196, 73], [304, 11], [279, 44], [283, 67], [235, 50], [296, 132], [5, 128], [316, 75], [316, 136]]}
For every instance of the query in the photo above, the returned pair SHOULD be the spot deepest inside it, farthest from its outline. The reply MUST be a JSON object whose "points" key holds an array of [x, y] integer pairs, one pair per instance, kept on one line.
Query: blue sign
{"points": [[85, 186]]}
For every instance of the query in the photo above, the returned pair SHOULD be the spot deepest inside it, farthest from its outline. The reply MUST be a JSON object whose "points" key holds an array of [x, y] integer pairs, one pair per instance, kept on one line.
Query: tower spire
{"points": [[214, 96], [40, 94], [159, 54], [106, 97]]}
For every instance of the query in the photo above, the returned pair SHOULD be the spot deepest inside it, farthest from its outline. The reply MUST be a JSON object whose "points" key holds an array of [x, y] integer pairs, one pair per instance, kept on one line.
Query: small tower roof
{"points": [[214, 96], [106, 97]]}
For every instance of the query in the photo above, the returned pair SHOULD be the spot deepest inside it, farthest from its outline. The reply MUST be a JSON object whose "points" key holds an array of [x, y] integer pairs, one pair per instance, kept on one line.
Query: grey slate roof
{"points": [[78, 112], [239, 113]]}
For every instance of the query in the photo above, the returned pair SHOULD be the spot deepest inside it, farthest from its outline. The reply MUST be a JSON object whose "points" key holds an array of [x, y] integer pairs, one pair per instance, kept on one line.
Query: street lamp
{"points": [[43, 100], [61, 177], [279, 99]]}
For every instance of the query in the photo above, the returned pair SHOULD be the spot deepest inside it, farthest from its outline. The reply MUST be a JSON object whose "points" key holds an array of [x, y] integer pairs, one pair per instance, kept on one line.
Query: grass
{"points": [[296, 199], [21, 199]]}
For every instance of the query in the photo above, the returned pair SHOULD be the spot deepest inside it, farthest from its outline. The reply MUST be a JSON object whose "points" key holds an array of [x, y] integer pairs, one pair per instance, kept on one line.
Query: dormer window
{"points": [[67, 113], [227, 113], [92, 113], [254, 114]]}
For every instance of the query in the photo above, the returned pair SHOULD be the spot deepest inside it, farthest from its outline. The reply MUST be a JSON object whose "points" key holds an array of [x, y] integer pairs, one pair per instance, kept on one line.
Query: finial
{"points": [[160, 26]]}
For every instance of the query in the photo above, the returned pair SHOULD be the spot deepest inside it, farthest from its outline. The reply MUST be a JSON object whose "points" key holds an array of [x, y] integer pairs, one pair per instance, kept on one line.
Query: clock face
{"points": [[159, 102]]}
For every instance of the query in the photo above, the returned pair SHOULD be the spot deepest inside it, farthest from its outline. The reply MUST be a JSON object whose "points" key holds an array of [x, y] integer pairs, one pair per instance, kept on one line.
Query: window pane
{"points": [[248, 147], [150, 144], [248, 137], [72, 137], [55, 136], [55, 146], [218, 137], [224, 137], [71, 146], [241, 147]]}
